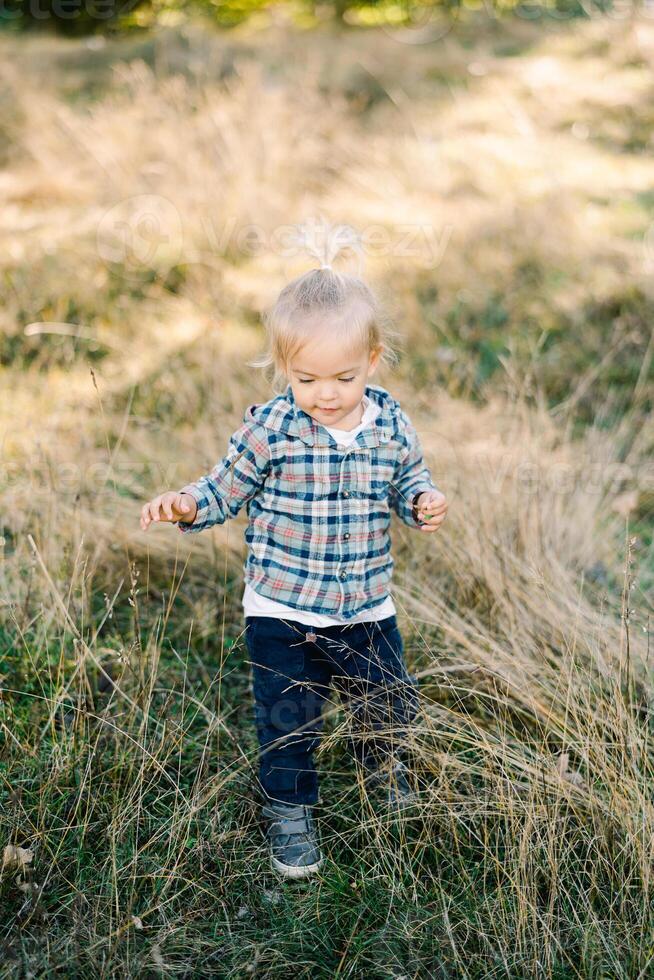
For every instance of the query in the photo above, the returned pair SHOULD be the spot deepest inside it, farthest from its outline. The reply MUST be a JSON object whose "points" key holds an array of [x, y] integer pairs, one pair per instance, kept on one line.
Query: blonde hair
{"points": [[325, 297]]}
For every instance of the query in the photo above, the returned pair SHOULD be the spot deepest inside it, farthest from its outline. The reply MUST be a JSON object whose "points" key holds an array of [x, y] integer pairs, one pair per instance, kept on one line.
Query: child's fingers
{"points": [[146, 516], [430, 512], [434, 521], [162, 508], [180, 504], [438, 507]]}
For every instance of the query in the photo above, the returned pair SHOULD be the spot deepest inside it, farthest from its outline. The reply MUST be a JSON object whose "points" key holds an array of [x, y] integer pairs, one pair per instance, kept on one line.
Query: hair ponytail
{"points": [[325, 297], [326, 243]]}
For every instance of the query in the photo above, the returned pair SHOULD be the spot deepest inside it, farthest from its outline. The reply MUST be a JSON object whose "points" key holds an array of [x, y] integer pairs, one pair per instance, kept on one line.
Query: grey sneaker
{"points": [[294, 847], [395, 783]]}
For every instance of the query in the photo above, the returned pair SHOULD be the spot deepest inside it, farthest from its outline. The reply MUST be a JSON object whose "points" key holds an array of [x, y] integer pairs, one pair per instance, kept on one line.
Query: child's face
{"points": [[324, 375]]}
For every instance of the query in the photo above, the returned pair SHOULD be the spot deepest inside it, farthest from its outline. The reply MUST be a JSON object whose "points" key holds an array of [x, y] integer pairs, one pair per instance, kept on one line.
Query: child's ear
{"points": [[374, 360]]}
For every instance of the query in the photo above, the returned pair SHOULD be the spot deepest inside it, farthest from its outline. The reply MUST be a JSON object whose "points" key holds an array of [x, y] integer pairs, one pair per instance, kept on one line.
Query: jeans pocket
{"points": [[389, 633], [276, 651]]}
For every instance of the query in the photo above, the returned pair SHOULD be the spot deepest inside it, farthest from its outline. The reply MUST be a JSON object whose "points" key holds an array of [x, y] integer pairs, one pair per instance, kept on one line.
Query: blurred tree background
{"points": [[82, 17]]}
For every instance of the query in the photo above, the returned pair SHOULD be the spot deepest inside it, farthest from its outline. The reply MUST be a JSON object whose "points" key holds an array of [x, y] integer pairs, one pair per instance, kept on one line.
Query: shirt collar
{"points": [[313, 434]]}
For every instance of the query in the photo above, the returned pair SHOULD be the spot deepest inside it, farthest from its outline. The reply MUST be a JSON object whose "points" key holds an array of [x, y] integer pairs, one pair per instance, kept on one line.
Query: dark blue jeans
{"points": [[291, 677]]}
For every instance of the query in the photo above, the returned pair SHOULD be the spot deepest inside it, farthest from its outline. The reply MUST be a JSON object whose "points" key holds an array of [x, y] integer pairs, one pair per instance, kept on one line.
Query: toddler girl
{"points": [[319, 466]]}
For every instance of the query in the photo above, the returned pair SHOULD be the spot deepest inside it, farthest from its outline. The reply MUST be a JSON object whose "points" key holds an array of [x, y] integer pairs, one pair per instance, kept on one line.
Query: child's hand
{"points": [[432, 510], [169, 506]]}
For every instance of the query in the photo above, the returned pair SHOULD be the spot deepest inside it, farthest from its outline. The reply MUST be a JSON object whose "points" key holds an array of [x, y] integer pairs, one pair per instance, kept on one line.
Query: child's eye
{"points": [[308, 382]]}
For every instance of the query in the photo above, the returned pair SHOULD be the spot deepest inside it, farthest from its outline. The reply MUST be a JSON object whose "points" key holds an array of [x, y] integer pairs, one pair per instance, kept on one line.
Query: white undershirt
{"points": [[259, 605]]}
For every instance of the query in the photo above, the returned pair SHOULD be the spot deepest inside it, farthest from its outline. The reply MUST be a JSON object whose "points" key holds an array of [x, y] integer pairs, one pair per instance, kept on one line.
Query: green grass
{"points": [[485, 874], [530, 854]]}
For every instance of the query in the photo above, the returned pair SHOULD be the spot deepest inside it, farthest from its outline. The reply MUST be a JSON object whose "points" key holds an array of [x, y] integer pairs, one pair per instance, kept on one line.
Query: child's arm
{"points": [[233, 481], [221, 494], [412, 476]]}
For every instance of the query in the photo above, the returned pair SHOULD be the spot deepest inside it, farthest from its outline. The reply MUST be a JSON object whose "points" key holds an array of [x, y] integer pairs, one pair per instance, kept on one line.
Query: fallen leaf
{"points": [[16, 857]]}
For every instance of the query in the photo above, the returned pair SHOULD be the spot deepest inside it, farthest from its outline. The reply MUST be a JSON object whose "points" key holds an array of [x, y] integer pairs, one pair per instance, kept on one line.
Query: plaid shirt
{"points": [[319, 513]]}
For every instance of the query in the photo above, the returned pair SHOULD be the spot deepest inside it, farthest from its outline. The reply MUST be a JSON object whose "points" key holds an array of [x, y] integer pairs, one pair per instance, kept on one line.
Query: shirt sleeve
{"points": [[412, 476], [233, 481]]}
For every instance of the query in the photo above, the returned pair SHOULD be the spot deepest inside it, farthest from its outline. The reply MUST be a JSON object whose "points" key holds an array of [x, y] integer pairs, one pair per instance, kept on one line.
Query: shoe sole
{"points": [[294, 871]]}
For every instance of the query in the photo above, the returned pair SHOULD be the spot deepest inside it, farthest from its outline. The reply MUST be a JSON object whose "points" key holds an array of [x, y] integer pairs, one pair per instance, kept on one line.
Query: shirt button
{"points": [[342, 573], [346, 493], [346, 535]]}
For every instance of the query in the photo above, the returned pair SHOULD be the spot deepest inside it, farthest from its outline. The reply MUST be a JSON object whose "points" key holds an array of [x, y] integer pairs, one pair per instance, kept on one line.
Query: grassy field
{"points": [[503, 179]]}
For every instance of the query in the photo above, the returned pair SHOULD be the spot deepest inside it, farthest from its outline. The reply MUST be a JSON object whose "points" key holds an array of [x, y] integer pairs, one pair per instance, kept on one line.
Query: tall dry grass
{"points": [[129, 749]]}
